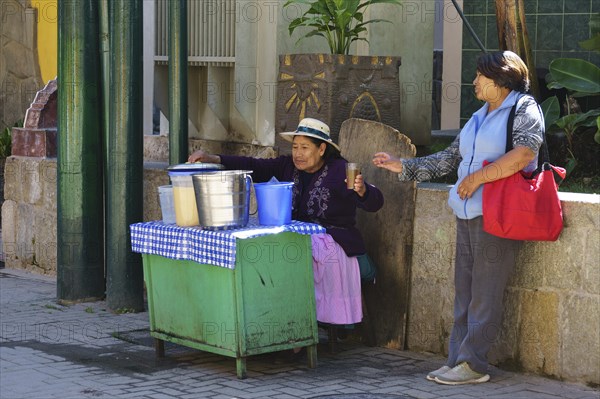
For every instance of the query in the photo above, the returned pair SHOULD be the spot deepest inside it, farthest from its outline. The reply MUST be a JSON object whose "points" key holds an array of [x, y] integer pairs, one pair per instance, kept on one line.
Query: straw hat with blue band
{"points": [[312, 128]]}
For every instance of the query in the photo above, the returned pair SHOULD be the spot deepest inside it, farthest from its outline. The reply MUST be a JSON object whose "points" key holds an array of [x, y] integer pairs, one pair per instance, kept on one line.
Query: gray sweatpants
{"points": [[483, 265]]}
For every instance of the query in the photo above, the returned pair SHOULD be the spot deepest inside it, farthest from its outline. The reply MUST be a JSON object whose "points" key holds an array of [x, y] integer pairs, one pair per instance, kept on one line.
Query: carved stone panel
{"points": [[333, 88]]}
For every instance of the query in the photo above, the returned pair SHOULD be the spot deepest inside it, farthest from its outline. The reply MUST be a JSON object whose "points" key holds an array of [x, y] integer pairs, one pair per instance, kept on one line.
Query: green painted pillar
{"points": [[178, 95], [80, 261], [124, 184], [103, 6]]}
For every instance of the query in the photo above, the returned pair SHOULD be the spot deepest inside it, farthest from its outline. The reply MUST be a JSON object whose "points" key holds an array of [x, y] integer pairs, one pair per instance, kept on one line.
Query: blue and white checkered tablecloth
{"points": [[204, 246]]}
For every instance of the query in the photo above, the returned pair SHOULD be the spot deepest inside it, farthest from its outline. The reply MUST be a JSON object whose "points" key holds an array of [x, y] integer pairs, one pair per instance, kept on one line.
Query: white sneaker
{"points": [[431, 376], [461, 374]]}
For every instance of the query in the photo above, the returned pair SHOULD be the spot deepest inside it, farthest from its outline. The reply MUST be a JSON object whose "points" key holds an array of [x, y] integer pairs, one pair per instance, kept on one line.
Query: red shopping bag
{"points": [[522, 207]]}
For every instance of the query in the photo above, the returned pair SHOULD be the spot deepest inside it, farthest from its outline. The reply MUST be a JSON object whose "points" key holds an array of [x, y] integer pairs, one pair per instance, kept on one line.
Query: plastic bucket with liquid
{"points": [[274, 202]]}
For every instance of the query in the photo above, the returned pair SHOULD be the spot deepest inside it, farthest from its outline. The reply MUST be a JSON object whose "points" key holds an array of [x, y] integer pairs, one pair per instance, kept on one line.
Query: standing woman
{"points": [[483, 262], [320, 195]]}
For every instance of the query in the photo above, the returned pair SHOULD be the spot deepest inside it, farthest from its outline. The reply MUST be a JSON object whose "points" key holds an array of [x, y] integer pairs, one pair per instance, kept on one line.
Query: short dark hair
{"points": [[330, 152], [506, 69]]}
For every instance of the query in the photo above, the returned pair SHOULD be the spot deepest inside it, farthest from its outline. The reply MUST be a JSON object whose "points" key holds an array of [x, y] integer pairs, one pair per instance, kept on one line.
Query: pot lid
{"points": [[197, 166]]}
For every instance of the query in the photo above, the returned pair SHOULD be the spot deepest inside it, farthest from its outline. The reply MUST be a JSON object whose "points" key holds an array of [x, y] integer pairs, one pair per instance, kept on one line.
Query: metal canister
{"points": [[223, 198]]}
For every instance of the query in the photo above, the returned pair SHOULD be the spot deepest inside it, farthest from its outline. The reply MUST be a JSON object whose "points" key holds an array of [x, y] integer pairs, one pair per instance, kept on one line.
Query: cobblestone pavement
{"points": [[84, 351]]}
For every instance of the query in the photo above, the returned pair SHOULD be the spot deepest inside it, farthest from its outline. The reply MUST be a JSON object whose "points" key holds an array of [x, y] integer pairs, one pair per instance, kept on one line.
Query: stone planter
{"points": [[333, 88]]}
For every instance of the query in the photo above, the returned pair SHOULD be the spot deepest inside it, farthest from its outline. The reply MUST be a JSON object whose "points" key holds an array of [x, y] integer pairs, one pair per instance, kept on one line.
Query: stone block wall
{"points": [[29, 214], [551, 323]]}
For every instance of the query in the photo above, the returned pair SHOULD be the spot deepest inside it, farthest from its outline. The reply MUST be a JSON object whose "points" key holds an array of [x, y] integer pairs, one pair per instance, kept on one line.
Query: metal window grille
{"points": [[211, 32]]}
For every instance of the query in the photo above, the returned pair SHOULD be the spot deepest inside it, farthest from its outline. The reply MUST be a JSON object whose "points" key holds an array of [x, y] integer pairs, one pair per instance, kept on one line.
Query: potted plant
{"points": [[336, 86], [340, 22]]}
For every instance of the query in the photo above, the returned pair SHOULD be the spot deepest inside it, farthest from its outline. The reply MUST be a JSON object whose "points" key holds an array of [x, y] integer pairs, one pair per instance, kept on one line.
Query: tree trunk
{"points": [[513, 35]]}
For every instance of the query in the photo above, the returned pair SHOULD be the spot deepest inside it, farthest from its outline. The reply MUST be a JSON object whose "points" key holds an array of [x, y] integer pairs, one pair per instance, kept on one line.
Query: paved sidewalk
{"points": [[84, 351]]}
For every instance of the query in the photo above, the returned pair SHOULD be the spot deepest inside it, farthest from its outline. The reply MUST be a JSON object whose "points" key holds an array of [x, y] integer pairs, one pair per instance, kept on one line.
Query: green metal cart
{"points": [[265, 304]]}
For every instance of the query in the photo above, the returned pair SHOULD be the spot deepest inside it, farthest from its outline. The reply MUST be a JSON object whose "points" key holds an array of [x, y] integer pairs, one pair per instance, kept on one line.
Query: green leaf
{"points": [[5, 143], [368, 3], [566, 122], [551, 82], [591, 44], [571, 122], [597, 135], [578, 94], [551, 110], [576, 74], [351, 6], [571, 164], [589, 118]]}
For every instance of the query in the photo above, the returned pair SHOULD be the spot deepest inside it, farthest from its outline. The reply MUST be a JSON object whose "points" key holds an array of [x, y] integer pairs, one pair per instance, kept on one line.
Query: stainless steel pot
{"points": [[223, 198]]}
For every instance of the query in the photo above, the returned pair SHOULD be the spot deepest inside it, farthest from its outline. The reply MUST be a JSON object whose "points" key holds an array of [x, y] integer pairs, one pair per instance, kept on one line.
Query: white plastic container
{"points": [[167, 205], [184, 199]]}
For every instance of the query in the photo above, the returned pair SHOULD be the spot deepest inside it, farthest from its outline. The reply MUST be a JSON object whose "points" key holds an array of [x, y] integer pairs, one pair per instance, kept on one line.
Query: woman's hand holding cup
{"points": [[354, 180]]}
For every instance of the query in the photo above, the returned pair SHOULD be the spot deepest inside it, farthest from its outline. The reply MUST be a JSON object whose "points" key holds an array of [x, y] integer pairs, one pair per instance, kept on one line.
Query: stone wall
{"points": [[551, 322], [29, 214]]}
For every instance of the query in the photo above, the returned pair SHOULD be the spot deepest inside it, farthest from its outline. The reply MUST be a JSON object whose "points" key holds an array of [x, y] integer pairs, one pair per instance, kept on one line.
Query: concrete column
{"points": [[452, 44], [148, 56], [266, 75], [410, 36]]}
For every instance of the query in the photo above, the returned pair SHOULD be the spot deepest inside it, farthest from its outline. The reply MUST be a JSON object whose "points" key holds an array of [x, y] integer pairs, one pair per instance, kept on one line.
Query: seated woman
{"points": [[320, 196]]}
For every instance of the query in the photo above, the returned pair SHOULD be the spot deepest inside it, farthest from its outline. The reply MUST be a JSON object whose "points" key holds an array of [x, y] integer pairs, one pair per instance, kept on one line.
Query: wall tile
{"points": [[577, 29], [543, 58], [491, 41], [478, 25], [549, 31], [491, 7], [575, 54], [469, 103], [577, 6], [474, 7], [550, 6], [530, 6], [469, 65], [531, 21]]}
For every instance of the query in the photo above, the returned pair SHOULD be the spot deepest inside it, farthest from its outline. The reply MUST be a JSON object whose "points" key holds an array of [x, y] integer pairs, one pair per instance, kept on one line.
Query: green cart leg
{"points": [[240, 365], [159, 347], [311, 353]]}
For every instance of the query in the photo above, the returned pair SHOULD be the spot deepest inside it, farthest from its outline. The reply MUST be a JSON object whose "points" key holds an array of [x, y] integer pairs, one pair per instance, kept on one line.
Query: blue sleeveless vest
{"points": [[483, 138]]}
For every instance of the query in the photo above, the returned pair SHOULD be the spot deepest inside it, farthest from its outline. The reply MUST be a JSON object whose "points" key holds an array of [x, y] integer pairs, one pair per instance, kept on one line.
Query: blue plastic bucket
{"points": [[274, 202]]}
